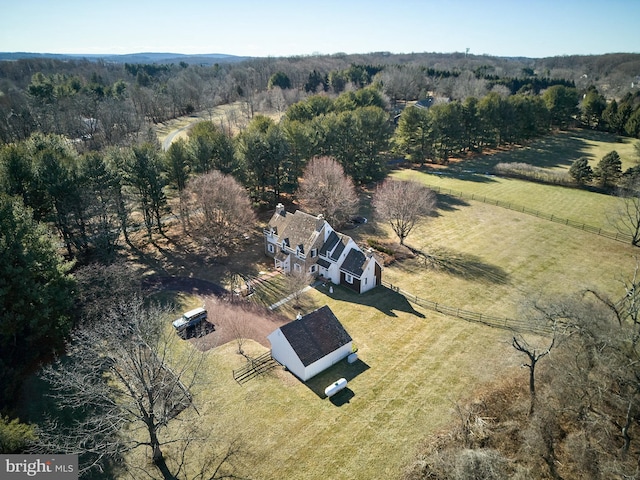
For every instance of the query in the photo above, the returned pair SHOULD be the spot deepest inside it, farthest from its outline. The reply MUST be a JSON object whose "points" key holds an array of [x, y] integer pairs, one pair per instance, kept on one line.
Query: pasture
{"points": [[414, 364]]}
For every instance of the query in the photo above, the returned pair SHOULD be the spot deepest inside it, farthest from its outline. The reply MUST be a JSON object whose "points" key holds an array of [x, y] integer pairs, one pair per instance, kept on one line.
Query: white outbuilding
{"points": [[311, 343]]}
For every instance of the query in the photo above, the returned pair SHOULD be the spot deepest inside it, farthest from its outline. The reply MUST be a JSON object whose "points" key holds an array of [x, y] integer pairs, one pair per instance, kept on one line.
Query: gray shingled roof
{"points": [[323, 263], [354, 262], [315, 335], [344, 240], [330, 243], [296, 229]]}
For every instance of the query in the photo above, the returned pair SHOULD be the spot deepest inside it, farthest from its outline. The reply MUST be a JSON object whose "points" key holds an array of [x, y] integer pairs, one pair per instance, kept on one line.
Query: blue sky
{"points": [[534, 28]]}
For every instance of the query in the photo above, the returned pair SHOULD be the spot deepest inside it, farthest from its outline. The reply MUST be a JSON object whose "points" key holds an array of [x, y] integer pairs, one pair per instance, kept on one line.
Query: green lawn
{"points": [[414, 364], [559, 150], [575, 204], [473, 177]]}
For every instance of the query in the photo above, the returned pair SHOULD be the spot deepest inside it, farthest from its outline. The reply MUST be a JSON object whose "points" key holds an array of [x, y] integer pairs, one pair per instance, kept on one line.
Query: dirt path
{"points": [[231, 320]]}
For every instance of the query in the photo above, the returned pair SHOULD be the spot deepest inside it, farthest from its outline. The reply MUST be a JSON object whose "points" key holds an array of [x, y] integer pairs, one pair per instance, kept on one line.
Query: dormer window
{"points": [[314, 252]]}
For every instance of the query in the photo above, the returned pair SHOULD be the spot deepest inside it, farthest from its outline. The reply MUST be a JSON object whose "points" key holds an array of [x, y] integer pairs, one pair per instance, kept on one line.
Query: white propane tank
{"points": [[334, 388], [352, 358]]}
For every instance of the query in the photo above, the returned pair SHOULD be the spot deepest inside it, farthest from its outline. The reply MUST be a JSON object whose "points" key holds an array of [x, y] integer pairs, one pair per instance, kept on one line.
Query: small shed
{"points": [[311, 343]]}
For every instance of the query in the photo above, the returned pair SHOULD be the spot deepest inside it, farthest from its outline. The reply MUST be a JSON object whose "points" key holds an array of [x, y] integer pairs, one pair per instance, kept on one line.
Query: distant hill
{"points": [[147, 57]]}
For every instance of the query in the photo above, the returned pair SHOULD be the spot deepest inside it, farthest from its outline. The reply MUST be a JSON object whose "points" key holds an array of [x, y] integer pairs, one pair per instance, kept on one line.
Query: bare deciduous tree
{"points": [[534, 354], [403, 204], [627, 218], [326, 189], [295, 281], [220, 210], [123, 376]]}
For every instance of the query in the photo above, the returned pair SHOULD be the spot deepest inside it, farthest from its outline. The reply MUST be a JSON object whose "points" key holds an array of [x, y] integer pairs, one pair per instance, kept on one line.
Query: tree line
{"points": [[446, 129], [104, 103], [91, 196]]}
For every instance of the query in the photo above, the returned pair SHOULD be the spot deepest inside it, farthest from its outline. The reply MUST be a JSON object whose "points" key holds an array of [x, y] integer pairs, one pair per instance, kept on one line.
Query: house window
{"points": [[314, 252], [348, 278], [313, 269], [270, 248]]}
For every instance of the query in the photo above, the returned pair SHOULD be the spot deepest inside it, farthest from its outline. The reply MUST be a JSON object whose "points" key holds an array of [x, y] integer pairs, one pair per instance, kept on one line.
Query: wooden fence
{"points": [[254, 367], [514, 325], [618, 236]]}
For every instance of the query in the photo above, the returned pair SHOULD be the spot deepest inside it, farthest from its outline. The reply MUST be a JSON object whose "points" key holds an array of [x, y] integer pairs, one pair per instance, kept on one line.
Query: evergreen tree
{"points": [[36, 296], [608, 170], [412, 138], [581, 171]]}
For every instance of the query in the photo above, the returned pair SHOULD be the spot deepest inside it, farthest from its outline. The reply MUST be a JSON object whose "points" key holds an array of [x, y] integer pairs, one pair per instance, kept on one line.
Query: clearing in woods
{"points": [[414, 364]]}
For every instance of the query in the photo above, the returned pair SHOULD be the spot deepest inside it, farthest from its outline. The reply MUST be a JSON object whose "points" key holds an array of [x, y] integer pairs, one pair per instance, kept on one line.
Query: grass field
{"points": [[474, 177], [559, 150], [414, 364]]}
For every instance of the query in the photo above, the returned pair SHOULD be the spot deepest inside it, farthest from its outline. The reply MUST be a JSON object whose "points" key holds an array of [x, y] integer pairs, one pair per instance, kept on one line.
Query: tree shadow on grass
{"points": [[342, 369], [381, 297], [477, 172], [550, 151], [448, 203], [462, 265]]}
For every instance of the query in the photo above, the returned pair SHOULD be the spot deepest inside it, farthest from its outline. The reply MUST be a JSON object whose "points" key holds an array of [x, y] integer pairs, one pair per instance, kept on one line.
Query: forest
{"points": [[82, 170]]}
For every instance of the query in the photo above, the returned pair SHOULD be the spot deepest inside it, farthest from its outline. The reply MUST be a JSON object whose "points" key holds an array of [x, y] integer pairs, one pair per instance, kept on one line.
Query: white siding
{"points": [[370, 274], [281, 350], [326, 361]]}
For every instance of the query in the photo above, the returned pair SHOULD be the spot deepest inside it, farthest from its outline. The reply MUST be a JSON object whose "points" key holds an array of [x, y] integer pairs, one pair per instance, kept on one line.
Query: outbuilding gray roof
{"points": [[315, 335]]}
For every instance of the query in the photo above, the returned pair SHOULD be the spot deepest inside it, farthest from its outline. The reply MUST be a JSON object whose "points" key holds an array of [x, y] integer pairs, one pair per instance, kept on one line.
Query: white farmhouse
{"points": [[299, 241]]}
